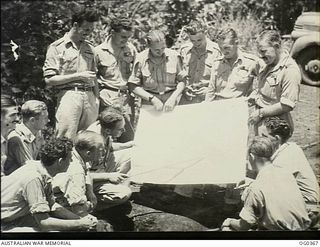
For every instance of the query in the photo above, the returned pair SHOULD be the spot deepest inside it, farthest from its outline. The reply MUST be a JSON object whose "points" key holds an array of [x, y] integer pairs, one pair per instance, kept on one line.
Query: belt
{"points": [[160, 93], [114, 89], [83, 89]]}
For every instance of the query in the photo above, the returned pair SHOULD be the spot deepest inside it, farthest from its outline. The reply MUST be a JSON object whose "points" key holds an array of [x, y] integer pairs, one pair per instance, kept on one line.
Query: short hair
{"points": [[155, 36], [109, 117], [6, 102], [272, 37], [55, 149], [88, 15], [195, 26], [121, 22], [87, 140], [278, 126], [227, 33], [262, 147], [32, 108]]}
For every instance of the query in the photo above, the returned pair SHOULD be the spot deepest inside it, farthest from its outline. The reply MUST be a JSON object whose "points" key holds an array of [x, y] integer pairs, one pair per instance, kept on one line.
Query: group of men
{"points": [[85, 165]]}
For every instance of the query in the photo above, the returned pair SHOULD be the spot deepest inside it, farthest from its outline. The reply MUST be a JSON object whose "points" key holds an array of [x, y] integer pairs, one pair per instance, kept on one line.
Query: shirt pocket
{"points": [[108, 68], [242, 77], [68, 63], [271, 87], [147, 77], [171, 76], [207, 70]]}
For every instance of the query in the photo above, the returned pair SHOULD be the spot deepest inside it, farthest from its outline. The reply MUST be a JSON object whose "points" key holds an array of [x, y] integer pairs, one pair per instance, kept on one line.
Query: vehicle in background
{"points": [[306, 47]]}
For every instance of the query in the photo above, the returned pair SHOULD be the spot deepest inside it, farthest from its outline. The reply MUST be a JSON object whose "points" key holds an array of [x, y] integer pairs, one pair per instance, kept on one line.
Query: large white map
{"points": [[202, 143]]}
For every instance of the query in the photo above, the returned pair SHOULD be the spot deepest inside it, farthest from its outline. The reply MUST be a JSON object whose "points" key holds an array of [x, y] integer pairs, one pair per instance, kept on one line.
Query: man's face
{"points": [[40, 122], [121, 38], [268, 53], [228, 48], [198, 40], [97, 154], [9, 120], [157, 48], [84, 30], [118, 129]]}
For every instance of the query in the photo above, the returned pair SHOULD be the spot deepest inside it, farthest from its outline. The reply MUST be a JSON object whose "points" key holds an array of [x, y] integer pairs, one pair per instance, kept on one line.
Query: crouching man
{"points": [[273, 200], [110, 179], [27, 198]]}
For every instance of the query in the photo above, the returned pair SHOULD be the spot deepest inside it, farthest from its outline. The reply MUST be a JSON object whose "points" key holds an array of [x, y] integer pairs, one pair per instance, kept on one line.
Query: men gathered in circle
{"points": [[233, 72], [198, 57], [27, 198], [70, 69], [115, 58], [157, 76], [26, 140], [273, 200], [9, 119], [278, 82]]}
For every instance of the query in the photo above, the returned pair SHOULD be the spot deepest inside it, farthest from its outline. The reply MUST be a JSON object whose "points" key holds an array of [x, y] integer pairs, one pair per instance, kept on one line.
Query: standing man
{"points": [[157, 77], [115, 58], [198, 57], [9, 119], [278, 82], [232, 73], [70, 68], [26, 140]]}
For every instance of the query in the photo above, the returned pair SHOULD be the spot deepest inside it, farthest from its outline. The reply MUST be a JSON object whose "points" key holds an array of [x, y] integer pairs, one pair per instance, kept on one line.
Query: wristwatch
{"points": [[150, 98]]}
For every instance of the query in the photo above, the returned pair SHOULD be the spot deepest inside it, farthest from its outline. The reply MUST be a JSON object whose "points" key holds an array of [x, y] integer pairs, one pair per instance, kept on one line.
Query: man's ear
{"points": [[75, 25], [278, 138]]}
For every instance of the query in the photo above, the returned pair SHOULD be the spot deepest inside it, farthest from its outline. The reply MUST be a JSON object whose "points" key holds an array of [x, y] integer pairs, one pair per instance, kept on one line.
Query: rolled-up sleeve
{"points": [[251, 211], [290, 86], [36, 198], [51, 64], [75, 192]]}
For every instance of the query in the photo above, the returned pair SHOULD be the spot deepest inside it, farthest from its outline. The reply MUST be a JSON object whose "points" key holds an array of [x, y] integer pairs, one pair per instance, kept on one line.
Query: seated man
{"points": [[9, 119], [24, 143], [73, 188], [290, 156], [273, 201], [109, 177], [26, 194]]}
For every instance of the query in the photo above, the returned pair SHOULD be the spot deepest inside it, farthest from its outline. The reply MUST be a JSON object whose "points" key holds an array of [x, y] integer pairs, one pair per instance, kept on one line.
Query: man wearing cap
{"points": [[115, 58], [25, 142], [198, 56], [71, 69]]}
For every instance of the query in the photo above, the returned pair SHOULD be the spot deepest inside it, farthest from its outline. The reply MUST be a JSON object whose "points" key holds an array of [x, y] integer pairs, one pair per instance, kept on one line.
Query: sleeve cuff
{"points": [[41, 207], [287, 102]]}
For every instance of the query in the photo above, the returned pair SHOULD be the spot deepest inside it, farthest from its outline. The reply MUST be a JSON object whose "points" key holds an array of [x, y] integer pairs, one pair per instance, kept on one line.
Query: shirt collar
{"points": [[239, 58], [166, 54], [68, 40], [279, 150], [43, 171], [3, 140], [24, 130], [282, 62]]}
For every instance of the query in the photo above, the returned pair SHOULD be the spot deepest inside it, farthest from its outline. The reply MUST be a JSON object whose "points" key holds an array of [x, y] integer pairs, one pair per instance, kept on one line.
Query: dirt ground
{"points": [[158, 208]]}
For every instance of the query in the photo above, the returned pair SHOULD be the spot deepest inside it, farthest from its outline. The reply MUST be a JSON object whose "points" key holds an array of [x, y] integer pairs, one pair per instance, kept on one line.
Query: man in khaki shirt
{"points": [[157, 75], [71, 69], [26, 140], [115, 58], [233, 72], [198, 56]]}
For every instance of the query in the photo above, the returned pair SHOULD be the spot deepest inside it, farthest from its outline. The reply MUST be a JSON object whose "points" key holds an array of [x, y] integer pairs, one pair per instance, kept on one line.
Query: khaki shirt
{"points": [[281, 84], [274, 202], [23, 145], [158, 77], [232, 81], [114, 70], [197, 65], [64, 58], [26, 191]]}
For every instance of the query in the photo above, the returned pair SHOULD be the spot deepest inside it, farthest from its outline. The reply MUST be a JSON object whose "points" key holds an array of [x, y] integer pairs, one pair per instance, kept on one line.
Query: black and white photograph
{"points": [[164, 119]]}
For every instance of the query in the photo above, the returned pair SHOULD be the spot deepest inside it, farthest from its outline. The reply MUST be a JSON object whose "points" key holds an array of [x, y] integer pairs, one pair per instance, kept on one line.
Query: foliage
{"points": [[33, 25]]}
